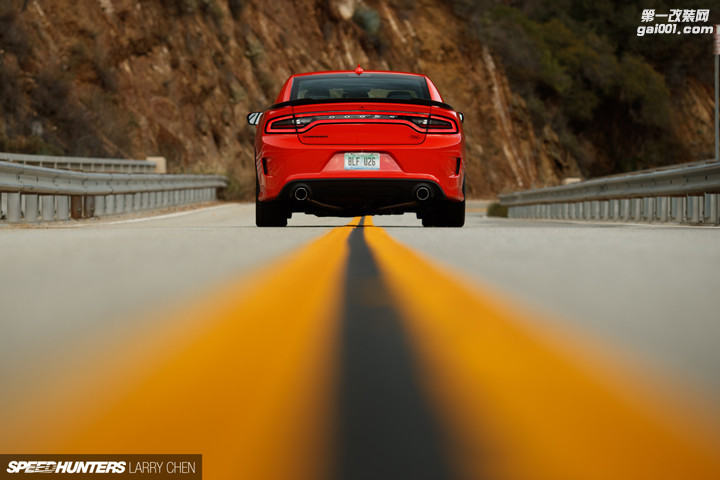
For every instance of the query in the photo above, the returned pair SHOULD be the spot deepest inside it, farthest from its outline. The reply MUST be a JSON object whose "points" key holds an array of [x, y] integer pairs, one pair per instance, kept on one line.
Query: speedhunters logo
{"points": [[65, 467], [138, 467]]}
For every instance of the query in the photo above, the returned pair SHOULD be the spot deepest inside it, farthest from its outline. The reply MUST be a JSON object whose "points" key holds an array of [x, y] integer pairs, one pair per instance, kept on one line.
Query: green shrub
{"points": [[368, 19], [497, 210], [577, 68]]}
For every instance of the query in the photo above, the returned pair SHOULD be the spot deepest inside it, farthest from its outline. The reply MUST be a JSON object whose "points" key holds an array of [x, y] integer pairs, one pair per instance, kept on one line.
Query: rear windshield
{"points": [[367, 85]]}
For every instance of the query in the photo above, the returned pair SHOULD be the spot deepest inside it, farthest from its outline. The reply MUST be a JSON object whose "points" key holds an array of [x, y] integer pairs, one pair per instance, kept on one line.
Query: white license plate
{"points": [[362, 161]]}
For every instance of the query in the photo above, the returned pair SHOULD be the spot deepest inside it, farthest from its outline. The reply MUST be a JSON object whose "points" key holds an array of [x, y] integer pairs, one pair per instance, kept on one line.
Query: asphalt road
{"points": [[648, 291], [642, 297]]}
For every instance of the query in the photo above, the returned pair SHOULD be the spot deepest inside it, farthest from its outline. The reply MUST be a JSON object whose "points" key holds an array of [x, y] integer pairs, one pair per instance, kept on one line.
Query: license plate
{"points": [[362, 161]]}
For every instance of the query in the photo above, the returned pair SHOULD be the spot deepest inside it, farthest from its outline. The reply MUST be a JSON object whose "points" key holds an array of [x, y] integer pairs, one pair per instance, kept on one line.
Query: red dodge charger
{"points": [[352, 143]]}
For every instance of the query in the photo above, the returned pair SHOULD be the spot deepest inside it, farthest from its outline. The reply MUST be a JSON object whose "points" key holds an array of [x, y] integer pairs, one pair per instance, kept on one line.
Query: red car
{"points": [[352, 143]]}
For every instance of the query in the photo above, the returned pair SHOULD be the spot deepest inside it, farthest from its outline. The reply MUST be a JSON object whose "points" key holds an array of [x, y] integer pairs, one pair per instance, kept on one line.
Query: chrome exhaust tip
{"points": [[301, 193], [422, 193]]}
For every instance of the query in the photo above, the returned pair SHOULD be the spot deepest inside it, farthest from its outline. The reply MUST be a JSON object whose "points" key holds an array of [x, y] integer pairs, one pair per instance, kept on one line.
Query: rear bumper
{"points": [[283, 163], [349, 197]]}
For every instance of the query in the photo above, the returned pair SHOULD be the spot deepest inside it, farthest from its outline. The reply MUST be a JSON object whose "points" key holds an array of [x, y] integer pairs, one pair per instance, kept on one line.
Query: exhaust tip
{"points": [[301, 193], [422, 193]]}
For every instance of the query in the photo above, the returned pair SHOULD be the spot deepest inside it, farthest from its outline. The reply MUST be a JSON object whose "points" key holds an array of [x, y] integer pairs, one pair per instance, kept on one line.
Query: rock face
{"points": [[694, 119], [177, 78]]}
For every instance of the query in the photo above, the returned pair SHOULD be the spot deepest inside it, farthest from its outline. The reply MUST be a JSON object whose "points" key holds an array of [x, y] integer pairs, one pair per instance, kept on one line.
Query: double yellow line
{"points": [[247, 377], [527, 402]]}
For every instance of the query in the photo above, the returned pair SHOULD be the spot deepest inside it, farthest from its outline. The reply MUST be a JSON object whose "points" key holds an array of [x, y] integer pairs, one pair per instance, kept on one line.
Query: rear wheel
{"points": [[445, 214], [453, 214], [269, 214]]}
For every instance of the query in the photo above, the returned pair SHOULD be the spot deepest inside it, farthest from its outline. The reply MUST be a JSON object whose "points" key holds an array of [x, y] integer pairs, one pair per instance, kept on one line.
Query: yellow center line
{"points": [[523, 403], [246, 378]]}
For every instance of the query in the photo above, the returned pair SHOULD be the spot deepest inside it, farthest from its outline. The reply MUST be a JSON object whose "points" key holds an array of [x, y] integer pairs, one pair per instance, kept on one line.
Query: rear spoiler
{"points": [[312, 101]]}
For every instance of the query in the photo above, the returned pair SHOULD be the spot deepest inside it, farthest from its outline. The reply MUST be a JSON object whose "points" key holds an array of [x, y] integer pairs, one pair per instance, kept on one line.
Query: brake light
{"points": [[437, 124], [423, 124], [281, 125]]}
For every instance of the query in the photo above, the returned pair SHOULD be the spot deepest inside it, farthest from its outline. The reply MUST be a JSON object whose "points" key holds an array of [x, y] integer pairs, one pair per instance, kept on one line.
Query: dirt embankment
{"points": [[133, 79]]}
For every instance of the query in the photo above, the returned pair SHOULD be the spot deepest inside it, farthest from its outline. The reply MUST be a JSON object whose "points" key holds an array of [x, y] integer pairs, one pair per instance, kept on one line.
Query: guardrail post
{"points": [[14, 212], [625, 209], [110, 204], [712, 208], [89, 206], [614, 213], [661, 209], [693, 209], [76, 204], [31, 207], [128, 202], [649, 209], [63, 207], [677, 209], [636, 209], [48, 207], [99, 205]]}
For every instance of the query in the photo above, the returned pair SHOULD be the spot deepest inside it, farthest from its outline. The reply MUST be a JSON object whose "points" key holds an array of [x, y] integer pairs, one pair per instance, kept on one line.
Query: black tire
{"points": [[430, 219], [445, 214], [453, 214], [269, 214]]}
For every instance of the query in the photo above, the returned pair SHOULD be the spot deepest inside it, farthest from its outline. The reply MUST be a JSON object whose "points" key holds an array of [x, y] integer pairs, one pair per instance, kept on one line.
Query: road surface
{"points": [[396, 351]]}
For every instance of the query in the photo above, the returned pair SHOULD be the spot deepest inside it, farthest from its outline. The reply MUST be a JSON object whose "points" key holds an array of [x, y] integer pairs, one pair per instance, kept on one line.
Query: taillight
{"points": [[281, 125], [434, 124], [437, 124], [423, 124], [441, 124]]}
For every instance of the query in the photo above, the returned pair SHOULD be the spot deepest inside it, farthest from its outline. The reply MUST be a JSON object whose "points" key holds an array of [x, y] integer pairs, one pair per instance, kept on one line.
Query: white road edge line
{"points": [[153, 217]]}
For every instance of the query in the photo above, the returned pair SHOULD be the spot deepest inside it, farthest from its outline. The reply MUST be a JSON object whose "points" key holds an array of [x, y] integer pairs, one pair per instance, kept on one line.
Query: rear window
{"points": [[367, 85]]}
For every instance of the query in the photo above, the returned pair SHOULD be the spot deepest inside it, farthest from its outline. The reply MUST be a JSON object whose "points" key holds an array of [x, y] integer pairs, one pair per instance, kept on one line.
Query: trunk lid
{"points": [[361, 123]]}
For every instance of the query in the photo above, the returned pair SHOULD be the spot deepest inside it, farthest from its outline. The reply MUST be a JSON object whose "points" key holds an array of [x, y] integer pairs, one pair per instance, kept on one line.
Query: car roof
{"points": [[333, 72]]}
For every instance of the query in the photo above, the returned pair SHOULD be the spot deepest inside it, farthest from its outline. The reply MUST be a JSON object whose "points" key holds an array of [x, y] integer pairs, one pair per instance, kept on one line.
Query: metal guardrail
{"points": [[84, 164], [686, 193], [35, 194]]}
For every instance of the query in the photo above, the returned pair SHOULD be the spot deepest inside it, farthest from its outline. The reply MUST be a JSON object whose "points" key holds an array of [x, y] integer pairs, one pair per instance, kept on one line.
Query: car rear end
{"points": [[348, 143]]}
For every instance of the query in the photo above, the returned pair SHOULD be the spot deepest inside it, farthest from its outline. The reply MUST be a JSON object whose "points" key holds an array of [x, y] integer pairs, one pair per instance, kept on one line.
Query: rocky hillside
{"points": [[176, 78]]}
